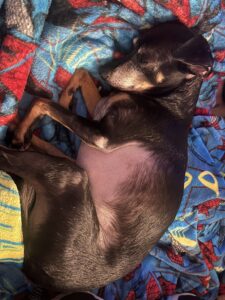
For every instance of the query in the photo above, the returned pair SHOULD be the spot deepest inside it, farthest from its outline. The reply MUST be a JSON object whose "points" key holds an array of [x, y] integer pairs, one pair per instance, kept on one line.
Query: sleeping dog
{"points": [[92, 221]]}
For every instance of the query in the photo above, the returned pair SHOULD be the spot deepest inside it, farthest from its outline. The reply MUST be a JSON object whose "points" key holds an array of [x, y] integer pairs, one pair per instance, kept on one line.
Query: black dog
{"points": [[94, 220]]}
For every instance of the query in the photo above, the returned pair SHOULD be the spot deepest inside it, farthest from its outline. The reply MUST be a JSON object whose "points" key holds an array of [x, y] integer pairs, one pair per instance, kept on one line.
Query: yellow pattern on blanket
{"points": [[11, 239]]}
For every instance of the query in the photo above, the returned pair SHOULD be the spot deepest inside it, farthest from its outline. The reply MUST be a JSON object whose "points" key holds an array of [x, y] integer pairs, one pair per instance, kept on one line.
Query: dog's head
{"points": [[163, 57]]}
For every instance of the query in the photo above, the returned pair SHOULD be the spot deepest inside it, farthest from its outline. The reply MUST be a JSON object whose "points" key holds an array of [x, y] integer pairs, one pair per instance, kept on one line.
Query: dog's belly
{"points": [[107, 171]]}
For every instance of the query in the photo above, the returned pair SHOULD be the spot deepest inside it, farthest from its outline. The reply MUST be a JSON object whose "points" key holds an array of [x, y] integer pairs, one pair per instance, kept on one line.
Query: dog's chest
{"points": [[107, 171]]}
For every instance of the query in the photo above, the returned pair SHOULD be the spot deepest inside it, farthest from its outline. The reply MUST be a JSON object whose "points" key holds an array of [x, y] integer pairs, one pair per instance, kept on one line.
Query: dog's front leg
{"points": [[89, 131], [83, 80]]}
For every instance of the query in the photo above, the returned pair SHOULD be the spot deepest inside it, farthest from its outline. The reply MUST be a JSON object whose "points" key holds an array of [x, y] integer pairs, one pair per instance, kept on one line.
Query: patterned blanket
{"points": [[42, 43]]}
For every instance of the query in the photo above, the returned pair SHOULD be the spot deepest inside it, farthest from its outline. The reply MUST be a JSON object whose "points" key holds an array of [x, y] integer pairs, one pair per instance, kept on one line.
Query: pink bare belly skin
{"points": [[108, 170]]}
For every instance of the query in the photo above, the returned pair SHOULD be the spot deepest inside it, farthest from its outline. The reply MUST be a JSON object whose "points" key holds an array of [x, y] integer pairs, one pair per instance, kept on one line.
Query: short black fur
{"points": [[75, 243]]}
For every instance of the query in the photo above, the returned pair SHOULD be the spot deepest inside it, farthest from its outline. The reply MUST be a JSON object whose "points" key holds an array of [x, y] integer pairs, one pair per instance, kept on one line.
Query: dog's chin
{"points": [[154, 90], [147, 87], [132, 84], [137, 89]]}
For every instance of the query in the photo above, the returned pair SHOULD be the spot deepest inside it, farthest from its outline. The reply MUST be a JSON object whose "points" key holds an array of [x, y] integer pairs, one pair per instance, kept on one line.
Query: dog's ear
{"points": [[196, 55], [143, 31]]}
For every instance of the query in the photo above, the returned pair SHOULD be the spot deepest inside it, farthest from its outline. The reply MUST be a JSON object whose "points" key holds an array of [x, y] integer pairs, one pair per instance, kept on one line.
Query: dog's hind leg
{"points": [[61, 221], [29, 164], [49, 175]]}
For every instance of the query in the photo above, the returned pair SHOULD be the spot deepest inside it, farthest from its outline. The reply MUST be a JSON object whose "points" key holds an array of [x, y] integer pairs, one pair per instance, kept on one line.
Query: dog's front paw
{"points": [[21, 140]]}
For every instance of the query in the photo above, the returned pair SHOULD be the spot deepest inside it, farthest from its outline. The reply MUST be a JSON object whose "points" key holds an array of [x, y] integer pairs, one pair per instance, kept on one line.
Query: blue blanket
{"points": [[42, 44]]}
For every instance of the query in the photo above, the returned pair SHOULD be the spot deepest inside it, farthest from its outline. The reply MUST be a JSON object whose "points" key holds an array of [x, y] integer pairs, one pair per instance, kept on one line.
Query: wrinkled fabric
{"points": [[43, 43]]}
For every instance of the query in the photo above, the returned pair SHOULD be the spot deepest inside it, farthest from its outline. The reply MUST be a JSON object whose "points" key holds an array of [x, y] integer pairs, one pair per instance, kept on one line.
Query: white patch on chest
{"points": [[101, 142]]}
